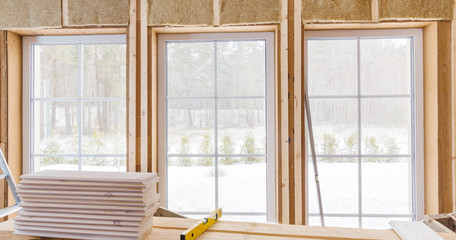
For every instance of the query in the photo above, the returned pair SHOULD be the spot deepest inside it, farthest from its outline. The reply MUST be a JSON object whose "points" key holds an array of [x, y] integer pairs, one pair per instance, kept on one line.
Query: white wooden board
{"points": [[414, 231]]}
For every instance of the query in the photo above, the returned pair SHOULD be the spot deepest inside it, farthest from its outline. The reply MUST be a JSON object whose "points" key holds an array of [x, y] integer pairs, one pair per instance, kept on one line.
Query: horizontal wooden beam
{"points": [[69, 31]]}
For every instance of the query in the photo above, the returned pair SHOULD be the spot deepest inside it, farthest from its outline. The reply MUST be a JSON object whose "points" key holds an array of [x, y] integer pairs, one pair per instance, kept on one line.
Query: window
{"points": [[75, 103], [365, 90], [216, 123]]}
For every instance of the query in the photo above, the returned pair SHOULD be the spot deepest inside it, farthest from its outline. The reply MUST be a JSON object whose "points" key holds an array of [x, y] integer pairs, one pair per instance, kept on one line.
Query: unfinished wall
{"points": [[30, 13], [336, 10], [416, 9], [97, 12], [249, 11], [180, 12]]}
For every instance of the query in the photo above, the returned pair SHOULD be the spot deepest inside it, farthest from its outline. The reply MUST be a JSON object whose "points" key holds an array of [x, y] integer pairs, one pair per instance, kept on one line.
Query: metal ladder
{"points": [[12, 186]]}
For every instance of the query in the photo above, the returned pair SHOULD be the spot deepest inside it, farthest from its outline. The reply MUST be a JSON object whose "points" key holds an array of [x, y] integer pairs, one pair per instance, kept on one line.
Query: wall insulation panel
{"points": [[180, 12], [249, 11], [98, 12], [30, 13], [415, 9], [336, 10]]}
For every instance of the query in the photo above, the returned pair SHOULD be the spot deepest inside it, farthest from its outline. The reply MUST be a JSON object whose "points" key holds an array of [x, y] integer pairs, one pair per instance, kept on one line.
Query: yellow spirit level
{"points": [[201, 226]]}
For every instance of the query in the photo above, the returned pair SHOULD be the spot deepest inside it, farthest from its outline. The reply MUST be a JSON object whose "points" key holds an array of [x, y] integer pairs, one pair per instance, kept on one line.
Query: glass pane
{"points": [[55, 126], [191, 126], [350, 222], [55, 163], [55, 71], [190, 69], [386, 126], [387, 185], [392, 75], [242, 184], [339, 185], [109, 164], [104, 127], [245, 218], [381, 223], [104, 69], [191, 185], [332, 67], [241, 68], [241, 126], [335, 125]]}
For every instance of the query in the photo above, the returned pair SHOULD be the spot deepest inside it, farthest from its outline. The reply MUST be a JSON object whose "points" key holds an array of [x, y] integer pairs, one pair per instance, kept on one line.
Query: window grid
{"points": [[80, 100], [216, 155], [360, 156]]}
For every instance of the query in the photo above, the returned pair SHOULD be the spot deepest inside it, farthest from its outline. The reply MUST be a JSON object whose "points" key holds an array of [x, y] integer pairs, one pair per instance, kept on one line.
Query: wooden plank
{"points": [[131, 90], [298, 120], [230, 29], [414, 231], [153, 101], [65, 21], [216, 6], [143, 53], [291, 133], [285, 186], [170, 228], [356, 26], [453, 60], [430, 118], [3, 113], [374, 10], [278, 129], [445, 143], [69, 31], [14, 60]]}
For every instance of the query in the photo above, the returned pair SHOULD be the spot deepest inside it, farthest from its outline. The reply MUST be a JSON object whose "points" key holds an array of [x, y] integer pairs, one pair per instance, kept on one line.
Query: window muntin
{"points": [[75, 100], [366, 117], [217, 90]]}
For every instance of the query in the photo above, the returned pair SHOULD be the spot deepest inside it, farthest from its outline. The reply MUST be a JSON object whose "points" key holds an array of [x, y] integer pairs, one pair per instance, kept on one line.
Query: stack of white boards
{"points": [[87, 205]]}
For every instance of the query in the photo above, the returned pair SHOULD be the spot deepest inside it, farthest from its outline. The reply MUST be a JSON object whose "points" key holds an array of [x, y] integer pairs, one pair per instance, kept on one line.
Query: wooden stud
{"points": [[131, 90], [359, 26], [3, 112], [216, 4], [14, 61], [285, 186], [278, 129], [374, 10], [298, 120], [222, 29], [437, 118], [69, 31], [153, 101], [143, 53], [291, 147], [445, 143], [453, 39], [65, 19]]}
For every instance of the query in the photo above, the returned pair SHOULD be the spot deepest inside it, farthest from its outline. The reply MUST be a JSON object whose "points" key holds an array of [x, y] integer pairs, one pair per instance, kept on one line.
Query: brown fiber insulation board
{"points": [[336, 10], [98, 12], [249, 11], [180, 12], [415, 9], [30, 13]]}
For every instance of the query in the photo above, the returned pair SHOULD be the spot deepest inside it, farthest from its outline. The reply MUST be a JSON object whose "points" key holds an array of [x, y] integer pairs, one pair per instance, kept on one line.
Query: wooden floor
{"points": [[170, 228]]}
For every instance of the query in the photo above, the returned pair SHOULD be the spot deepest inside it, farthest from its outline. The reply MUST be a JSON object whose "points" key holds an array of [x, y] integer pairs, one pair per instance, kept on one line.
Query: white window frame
{"points": [[270, 155], [27, 92], [417, 122]]}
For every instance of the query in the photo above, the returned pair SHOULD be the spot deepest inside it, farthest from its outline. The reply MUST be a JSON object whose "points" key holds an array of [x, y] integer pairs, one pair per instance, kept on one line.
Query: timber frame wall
{"points": [[288, 19]]}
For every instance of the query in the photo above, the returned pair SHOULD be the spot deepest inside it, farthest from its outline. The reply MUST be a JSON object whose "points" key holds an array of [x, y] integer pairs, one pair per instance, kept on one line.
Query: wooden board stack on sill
{"points": [[87, 205]]}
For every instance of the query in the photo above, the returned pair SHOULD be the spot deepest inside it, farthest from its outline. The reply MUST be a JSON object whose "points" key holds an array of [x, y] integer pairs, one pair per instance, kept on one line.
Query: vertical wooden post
{"points": [[3, 112], [453, 87], [142, 52], [291, 119], [65, 20], [374, 10], [285, 208], [299, 164], [216, 12], [131, 90]]}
